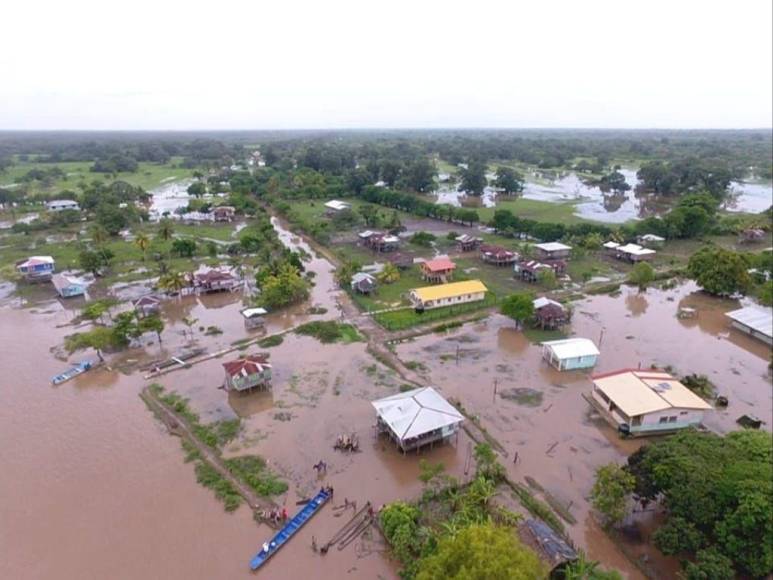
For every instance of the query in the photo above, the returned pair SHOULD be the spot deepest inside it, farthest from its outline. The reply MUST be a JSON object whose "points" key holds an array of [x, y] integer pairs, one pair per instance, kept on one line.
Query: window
{"points": [[663, 420], [672, 419], [683, 412]]}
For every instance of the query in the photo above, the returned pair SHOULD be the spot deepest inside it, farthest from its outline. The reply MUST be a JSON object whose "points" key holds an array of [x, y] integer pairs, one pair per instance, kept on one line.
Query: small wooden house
{"points": [[634, 253], [468, 243], [147, 305], [497, 255], [247, 373], [383, 243], [57, 205], [416, 418], [363, 283], [216, 281], [36, 268], [401, 261], [224, 213], [334, 206], [67, 286], [610, 248], [553, 251], [528, 271], [439, 270], [549, 314]]}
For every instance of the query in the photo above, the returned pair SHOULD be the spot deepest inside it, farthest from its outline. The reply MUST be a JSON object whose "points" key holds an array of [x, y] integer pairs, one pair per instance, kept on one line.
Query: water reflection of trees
{"points": [[248, 404], [613, 201], [636, 303]]}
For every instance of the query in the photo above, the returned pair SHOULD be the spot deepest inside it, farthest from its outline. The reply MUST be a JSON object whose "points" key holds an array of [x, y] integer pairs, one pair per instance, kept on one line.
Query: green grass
{"points": [[537, 335], [220, 232], [208, 476], [271, 341], [407, 318], [147, 176], [537, 507], [252, 470], [329, 331], [390, 295], [541, 211]]}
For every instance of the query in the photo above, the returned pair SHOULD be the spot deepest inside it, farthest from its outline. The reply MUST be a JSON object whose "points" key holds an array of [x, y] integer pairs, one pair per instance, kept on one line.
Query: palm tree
{"points": [[142, 241], [165, 229], [172, 282], [389, 274]]}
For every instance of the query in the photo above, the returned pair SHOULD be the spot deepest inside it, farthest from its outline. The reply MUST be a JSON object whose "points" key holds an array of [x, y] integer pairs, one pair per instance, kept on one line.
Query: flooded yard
{"points": [[94, 480], [592, 203]]}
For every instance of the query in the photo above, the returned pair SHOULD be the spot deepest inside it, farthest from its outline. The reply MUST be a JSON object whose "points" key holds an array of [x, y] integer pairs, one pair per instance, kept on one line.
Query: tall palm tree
{"points": [[142, 241], [165, 229]]}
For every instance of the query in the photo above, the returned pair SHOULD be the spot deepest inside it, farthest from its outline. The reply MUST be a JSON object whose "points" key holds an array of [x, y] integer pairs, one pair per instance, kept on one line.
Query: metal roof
{"points": [[250, 312], [635, 250], [416, 412], [572, 348], [439, 265], [337, 204], [652, 238], [637, 392], [611, 245], [542, 301], [758, 319], [552, 246], [449, 290]]}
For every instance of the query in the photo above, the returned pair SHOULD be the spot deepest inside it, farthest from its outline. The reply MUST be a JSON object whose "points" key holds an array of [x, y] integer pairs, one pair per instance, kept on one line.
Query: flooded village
{"points": [[227, 426]]}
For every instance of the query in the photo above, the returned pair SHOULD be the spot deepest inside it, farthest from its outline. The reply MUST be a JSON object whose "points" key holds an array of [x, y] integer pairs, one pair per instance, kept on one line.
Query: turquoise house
{"points": [[68, 287], [571, 353]]}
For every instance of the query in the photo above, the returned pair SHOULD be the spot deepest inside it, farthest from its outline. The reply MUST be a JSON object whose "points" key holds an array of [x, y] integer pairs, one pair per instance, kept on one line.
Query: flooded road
{"points": [[168, 198]]}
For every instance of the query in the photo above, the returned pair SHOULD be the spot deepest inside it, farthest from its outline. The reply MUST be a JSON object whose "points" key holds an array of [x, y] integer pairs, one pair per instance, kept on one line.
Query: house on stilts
{"points": [[250, 372]]}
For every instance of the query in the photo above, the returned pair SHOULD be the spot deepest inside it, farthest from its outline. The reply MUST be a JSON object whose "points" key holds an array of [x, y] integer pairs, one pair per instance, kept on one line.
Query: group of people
{"points": [[276, 515], [320, 467]]}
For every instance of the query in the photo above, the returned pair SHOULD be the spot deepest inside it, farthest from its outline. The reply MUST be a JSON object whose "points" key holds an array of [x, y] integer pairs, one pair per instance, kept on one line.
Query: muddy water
{"points": [[560, 442], [750, 196], [169, 197]]}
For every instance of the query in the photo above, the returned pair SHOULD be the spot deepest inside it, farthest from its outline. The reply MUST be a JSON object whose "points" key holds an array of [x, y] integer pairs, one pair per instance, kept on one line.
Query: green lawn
{"points": [[541, 211], [222, 232], [147, 176]]}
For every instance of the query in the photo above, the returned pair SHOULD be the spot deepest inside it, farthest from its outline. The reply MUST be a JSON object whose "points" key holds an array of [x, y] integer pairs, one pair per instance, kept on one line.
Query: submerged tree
{"points": [[610, 492], [509, 180], [641, 275], [98, 338]]}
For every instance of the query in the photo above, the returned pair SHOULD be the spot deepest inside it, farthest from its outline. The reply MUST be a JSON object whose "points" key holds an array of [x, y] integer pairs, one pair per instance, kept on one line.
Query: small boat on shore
{"points": [[73, 372]]}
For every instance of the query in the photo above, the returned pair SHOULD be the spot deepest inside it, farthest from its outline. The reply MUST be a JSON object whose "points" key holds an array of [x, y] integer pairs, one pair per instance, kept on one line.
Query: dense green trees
{"points": [[686, 175], [184, 247], [474, 178], [641, 275], [614, 182], [718, 492], [610, 493], [197, 188], [481, 551], [719, 271], [283, 288], [509, 180], [519, 307]]}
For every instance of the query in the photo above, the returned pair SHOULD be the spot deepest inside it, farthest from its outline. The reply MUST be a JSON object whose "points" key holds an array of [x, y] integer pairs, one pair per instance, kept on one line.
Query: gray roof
{"points": [[756, 318], [416, 412]]}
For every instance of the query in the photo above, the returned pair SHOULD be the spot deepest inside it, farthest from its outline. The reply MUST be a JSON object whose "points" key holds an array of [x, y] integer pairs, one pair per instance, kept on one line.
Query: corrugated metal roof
{"points": [[641, 392], [416, 412], [449, 290], [572, 348], [758, 319], [635, 250], [257, 311], [439, 265], [542, 301], [552, 246]]}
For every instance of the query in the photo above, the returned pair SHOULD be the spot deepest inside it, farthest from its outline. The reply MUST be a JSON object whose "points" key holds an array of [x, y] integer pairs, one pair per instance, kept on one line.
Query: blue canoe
{"points": [[292, 526], [72, 372]]}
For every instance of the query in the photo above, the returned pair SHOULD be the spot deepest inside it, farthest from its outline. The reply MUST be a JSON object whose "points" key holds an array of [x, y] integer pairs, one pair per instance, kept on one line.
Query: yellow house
{"points": [[448, 294]]}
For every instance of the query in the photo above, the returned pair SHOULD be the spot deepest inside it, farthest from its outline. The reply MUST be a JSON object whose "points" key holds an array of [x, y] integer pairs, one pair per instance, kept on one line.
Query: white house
{"points": [[62, 204], [448, 294], [634, 253], [651, 241], [417, 417], [646, 402], [754, 321], [253, 317], [571, 353]]}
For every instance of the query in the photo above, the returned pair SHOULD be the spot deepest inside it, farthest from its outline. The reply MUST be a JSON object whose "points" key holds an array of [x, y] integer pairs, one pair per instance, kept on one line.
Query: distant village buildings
{"points": [[497, 255], [216, 281], [552, 251], [629, 252], [58, 205], [549, 314]]}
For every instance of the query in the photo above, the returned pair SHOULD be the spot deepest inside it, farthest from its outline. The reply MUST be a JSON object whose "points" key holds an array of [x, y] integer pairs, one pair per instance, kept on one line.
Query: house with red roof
{"points": [[247, 373]]}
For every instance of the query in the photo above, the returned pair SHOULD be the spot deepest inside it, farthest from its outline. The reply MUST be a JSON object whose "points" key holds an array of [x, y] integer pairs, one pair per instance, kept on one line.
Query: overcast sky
{"points": [[171, 64]]}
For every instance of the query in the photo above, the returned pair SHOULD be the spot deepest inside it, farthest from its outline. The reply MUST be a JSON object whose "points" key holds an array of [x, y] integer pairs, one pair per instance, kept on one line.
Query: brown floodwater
{"points": [[92, 486], [559, 441]]}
